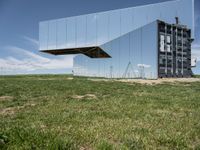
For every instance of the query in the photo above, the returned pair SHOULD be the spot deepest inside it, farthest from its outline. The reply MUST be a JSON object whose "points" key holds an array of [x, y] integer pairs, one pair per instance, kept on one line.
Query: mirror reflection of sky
{"points": [[19, 31], [129, 56]]}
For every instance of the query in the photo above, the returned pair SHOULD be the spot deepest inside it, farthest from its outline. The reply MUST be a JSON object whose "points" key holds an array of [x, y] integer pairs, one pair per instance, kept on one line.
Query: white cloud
{"points": [[196, 46], [22, 60], [27, 54], [32, 61]]}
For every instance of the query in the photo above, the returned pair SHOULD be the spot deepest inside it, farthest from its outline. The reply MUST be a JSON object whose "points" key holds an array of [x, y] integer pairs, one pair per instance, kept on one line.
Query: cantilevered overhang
{"points": [[92, 52]]}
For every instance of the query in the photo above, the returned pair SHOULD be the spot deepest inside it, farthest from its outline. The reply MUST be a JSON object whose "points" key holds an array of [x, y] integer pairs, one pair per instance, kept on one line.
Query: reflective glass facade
{"points": [[134, 55], [128, 35]]}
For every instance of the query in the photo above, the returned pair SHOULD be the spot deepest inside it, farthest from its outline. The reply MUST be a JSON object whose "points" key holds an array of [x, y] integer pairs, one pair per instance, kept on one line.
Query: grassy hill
{"points": [[58, 112]]}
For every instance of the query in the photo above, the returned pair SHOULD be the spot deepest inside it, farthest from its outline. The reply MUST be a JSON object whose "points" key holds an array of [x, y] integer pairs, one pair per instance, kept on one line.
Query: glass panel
{"points": [[81, 31], [87, 61], [43, 35], [93, 66], [116, 59], [114, 25], [107, 63], [149, 50], [125, 67], [52, 35], [71, 32], [81, 64], [102, 64], [91, 30], [102, 25], [140, 16], [90, 67], [126, 21], [61, 34], [75, 65], [132, 55], [137, 51], [112, 48]]}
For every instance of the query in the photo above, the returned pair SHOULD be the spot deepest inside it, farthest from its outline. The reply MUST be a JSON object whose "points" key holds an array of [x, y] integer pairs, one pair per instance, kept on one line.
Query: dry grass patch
{"points": [[150, 82], [70, 78], [13, 110], [8, 111], [6, 98], [52, 79], [87, 96], [160, 81], [162, 111], [99, 80]]}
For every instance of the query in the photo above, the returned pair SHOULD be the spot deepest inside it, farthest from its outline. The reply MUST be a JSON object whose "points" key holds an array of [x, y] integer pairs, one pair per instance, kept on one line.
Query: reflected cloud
{"points": [[144, 66], [32, 41], [196, 51]]}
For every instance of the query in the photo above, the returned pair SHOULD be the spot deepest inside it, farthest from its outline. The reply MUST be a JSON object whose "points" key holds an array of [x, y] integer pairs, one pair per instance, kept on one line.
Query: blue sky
{"points": [[19, 31]]}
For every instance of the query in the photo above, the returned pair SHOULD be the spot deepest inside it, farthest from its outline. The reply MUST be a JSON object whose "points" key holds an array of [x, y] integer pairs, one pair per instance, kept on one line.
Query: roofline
{"points": [[139, 6]]}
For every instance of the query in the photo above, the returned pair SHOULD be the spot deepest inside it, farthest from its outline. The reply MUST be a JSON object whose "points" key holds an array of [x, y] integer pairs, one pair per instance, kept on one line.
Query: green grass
{"points": [[53, 112]]}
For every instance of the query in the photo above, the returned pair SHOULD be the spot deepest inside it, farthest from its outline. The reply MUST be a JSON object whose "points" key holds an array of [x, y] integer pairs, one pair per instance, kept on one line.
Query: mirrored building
{"points": [[151, 41]]}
